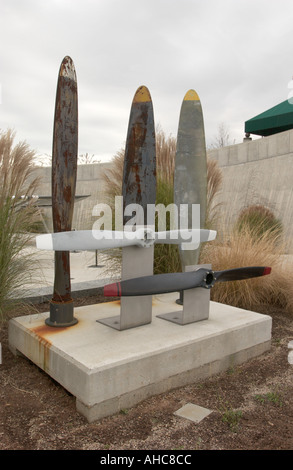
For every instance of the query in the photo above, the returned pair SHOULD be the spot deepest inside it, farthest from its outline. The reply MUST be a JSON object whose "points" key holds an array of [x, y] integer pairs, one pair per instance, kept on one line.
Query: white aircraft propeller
{"points": [[107, 239]]}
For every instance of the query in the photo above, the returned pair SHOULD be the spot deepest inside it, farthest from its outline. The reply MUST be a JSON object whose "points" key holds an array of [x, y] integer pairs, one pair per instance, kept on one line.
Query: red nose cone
{"points": [[267, 270], [112, 290]]}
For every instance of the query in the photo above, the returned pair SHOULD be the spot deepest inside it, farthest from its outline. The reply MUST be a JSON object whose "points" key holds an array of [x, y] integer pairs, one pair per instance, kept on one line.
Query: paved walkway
{"points": [[88, 270]]}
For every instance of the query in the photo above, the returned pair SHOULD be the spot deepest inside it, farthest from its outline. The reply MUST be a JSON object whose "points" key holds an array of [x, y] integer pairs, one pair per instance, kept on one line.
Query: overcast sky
{"points": [[237, 55]]}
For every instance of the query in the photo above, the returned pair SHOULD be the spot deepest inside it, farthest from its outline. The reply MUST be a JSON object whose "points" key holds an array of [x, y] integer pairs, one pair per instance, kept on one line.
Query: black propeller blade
{"points": [[239, 274], [174, 282]]}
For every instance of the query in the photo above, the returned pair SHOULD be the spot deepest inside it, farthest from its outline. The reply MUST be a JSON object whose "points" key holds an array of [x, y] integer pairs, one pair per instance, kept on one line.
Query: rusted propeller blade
{"points": [[173, 282], [139, 173], [64, 169]]}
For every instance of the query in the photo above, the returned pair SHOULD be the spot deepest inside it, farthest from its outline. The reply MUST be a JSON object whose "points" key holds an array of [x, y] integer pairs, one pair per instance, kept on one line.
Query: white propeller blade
{"points": [[189, 238], [85, 240], [106, 239]]}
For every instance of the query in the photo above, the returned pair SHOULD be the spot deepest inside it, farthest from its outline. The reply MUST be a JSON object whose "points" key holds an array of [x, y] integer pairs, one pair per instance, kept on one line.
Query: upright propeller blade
{"points": [[64, 171], [106, 239], [173, 282]]}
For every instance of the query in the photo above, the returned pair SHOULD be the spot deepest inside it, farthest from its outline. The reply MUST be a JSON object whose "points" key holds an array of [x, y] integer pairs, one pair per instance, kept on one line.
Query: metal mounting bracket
{"points": [[196, 303]]}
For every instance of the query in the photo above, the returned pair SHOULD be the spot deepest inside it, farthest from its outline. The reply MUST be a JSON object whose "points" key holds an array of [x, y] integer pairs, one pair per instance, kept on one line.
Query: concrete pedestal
{"points": [[108, 370]]}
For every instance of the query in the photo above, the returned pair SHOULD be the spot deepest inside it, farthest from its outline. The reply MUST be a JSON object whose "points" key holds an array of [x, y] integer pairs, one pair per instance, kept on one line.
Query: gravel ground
{"points": [[251, 404]]}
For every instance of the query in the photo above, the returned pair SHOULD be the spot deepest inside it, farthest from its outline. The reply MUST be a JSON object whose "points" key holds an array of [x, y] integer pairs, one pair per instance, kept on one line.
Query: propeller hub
{"points": [[147, 236], [209, 280]]}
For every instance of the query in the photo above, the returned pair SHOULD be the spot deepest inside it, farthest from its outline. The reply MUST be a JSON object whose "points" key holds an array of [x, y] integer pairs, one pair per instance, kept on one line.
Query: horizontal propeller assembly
{"points": [[174, 282], [107, 239]]}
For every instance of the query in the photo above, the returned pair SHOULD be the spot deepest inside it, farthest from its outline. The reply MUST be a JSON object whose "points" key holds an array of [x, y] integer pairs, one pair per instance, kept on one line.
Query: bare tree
{"points": [[222, 139], [86, 159]]}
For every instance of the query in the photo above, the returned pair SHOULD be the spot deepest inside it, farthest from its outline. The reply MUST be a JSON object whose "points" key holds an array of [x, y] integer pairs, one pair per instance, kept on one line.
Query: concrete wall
{"points": [[259, 171], [89, 182]]}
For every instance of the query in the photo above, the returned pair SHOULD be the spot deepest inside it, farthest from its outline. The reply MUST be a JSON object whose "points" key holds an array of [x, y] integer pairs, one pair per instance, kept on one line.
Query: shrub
{"points": [[259, 219], [18, 215], [166, 257]]}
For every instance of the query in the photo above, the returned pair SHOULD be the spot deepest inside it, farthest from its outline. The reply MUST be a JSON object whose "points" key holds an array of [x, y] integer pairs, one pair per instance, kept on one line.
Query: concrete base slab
{"points": [[108, 370], [193, 412]]}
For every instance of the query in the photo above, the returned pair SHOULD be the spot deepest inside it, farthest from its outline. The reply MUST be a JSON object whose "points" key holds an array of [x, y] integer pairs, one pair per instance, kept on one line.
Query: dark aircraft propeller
{"points": [[174, 282]]}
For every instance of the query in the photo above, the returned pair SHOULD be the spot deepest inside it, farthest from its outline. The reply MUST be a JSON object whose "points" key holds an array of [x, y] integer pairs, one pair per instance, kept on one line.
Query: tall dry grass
{"points": [[214, 185], [112, 178], [165, 155], [165, 163], [18, 216], [243, 248]]}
